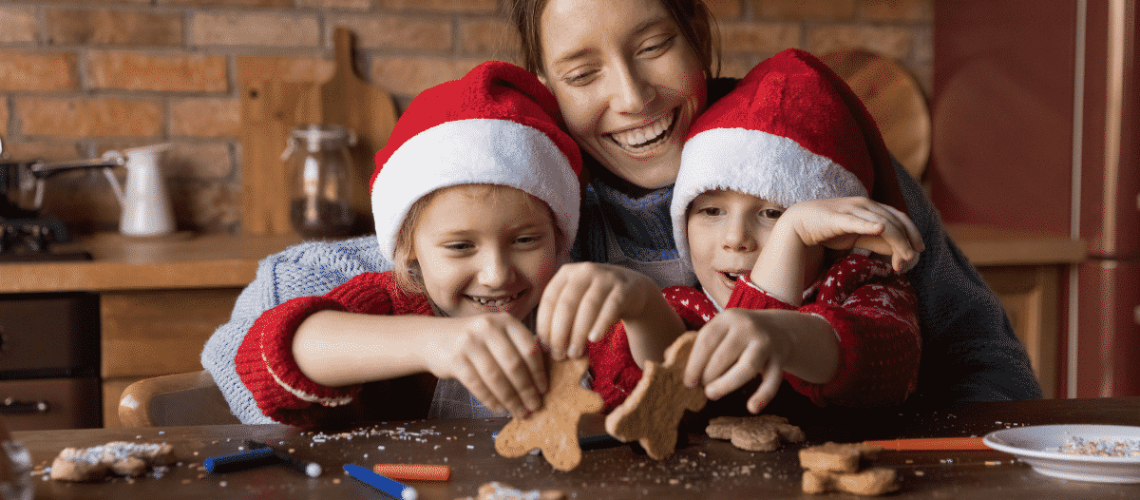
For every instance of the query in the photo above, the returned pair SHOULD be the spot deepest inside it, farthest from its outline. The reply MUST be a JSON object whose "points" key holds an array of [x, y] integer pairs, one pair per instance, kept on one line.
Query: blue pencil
{"points": [[388, 486], [242, 460]]}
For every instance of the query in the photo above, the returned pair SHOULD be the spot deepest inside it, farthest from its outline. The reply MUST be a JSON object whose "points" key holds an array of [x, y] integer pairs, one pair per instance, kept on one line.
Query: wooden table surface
{"points": [[700, 468]]}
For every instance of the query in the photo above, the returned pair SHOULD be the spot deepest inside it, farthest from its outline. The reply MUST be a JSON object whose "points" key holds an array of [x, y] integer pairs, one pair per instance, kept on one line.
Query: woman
{"points": [[630, 77]]}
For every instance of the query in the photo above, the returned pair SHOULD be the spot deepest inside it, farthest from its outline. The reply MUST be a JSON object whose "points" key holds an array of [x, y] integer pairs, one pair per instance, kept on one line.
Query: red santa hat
{"points": [[496, 125], [791, 131]]}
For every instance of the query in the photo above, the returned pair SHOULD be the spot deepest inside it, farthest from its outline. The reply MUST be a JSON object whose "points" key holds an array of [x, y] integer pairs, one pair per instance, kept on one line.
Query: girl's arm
{"points": [[493, 355], [316, 350]]}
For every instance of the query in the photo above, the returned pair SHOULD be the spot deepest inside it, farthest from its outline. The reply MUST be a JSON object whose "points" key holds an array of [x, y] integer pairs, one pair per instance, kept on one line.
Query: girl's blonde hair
{"points": [[407, 270]]}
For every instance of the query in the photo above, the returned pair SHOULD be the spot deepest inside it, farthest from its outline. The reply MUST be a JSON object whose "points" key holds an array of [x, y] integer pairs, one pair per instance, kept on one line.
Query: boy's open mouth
{"points": [[735, 275], [641, 139], [495, 302]]}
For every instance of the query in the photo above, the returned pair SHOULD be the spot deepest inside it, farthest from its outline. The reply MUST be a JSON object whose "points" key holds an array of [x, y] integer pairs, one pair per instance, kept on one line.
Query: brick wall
{"points": [[80, 77]]}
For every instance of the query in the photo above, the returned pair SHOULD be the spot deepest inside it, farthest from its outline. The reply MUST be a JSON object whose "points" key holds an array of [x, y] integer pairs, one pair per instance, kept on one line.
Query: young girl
{"points": [[476, 199], [768, 237]]}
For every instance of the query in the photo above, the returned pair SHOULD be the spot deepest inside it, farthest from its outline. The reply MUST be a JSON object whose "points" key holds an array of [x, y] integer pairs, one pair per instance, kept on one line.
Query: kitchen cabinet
{"points": [[1036, 127], [159, 299]]}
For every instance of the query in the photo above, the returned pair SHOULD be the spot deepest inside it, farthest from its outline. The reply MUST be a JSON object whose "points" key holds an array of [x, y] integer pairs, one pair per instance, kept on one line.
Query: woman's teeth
{"points": [[500, 302], [640, 138]]}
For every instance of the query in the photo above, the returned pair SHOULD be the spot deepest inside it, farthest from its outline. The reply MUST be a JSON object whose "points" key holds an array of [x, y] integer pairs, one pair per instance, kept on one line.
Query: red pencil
{"points": [[413, 472], [955, 443]]}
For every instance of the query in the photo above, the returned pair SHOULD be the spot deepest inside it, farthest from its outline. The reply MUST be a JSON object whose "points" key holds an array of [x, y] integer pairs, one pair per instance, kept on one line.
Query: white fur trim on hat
{"points": [[475, 151], [758, 163]]}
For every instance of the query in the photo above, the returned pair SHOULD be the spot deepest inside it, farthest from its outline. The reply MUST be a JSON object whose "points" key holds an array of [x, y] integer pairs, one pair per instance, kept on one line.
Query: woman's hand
{"points": [[495, 356], [584, 299], [857, 222], [739, 344]]}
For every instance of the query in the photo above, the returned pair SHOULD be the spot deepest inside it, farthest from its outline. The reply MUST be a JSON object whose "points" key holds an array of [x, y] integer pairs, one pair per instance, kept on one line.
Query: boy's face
{"points": [[726, 232], [483, 250]]}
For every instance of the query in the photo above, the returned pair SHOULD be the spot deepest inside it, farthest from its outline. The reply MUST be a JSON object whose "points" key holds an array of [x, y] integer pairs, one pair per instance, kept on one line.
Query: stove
{"points": [[33, 240]]}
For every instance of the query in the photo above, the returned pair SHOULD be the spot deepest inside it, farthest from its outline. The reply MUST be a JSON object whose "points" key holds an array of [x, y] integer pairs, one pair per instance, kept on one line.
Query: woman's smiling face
{"points": [[628, 83]]}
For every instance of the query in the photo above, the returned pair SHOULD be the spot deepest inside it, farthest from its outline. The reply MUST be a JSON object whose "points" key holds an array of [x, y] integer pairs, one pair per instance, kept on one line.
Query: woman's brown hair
{"points": [[692, 17]]}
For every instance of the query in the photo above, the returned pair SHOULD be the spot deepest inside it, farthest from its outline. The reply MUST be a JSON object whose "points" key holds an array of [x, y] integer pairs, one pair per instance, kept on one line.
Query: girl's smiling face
{"points": [[483, 249], [628, 83]]}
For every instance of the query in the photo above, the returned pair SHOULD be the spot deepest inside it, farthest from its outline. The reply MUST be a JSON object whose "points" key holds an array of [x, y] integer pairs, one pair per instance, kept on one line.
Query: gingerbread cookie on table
{"points": [[554, 428], [118, 457], [756, 433], [653, 410], [836, 467]]}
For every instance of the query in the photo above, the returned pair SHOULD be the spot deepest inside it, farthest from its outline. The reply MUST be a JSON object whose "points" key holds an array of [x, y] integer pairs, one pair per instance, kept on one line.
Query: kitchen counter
{"points": [[987, 246], [182, 260]]}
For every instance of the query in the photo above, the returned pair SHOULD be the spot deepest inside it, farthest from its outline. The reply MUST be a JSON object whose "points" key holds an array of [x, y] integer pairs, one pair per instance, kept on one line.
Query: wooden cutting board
{"points": [[270, 109], [280, 93], [368, 110], [895, 101]]}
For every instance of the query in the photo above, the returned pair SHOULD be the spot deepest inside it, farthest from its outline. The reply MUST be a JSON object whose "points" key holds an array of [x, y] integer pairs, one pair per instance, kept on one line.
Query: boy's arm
{"points": [[870, 313], [804, 229]]}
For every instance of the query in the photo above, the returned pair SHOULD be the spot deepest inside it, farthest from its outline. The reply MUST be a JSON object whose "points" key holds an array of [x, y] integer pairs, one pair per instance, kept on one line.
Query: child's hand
{"points": [[584, 299], [732, 349], [857, 222], [496, 357]]}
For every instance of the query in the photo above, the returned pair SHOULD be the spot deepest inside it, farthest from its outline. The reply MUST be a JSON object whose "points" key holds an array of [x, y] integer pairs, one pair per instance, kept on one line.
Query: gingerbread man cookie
{"points": [[758, 433], [654, 408], [554, 428]]}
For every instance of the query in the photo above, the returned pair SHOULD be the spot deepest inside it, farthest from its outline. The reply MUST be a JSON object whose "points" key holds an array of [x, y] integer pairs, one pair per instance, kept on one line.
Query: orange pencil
{"points": [[413, 472], [955, 443]]}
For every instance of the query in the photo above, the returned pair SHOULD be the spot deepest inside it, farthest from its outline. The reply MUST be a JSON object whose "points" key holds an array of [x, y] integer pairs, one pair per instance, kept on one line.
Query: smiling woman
{"points": [[629, 84], [629, 78]]}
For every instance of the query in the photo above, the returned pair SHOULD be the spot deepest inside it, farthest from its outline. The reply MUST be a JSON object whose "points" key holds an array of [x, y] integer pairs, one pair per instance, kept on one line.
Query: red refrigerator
{"points": [[1036, 126]]}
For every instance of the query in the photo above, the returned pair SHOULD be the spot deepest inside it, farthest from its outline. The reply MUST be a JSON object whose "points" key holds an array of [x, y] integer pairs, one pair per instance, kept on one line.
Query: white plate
{"points": [[1038, 446]]}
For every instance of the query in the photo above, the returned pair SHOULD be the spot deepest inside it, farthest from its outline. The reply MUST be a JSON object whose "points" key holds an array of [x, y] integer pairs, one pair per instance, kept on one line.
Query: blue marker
{"points": [[241, 460], [388, 486]]}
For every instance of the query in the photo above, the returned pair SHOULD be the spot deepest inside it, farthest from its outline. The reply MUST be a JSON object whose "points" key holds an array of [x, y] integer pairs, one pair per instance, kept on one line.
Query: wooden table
{"points": [[701, 468]]}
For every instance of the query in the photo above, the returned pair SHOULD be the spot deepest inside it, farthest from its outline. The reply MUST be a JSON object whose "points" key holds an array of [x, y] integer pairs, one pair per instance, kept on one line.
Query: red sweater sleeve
{"points": [[615, 371], [873, 312], [265, 359]]}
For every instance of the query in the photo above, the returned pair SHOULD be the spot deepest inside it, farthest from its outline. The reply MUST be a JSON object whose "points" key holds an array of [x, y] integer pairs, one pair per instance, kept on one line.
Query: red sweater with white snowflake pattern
{"points": [[266, 365], [871, 308]]}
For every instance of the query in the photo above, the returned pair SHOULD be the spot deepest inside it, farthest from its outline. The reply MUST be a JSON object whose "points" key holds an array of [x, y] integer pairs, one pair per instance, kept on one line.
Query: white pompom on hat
{"points": [[791, 131], [496, 125]]}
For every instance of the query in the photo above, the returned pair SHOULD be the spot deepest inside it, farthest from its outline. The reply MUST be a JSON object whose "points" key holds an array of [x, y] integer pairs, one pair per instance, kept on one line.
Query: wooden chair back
{"points": [[174, 400]]}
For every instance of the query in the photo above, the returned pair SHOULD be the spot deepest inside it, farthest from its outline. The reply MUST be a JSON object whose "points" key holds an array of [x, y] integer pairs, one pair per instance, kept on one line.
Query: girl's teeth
{"points": [[495, 302]]}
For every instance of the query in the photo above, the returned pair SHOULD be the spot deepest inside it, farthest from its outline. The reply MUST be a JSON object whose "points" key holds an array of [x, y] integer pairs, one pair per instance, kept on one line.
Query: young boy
{"points": [[779, 180]]}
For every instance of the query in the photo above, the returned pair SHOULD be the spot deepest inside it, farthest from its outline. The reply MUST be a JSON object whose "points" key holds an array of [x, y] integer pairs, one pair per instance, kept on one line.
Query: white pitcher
{"points": [[146, 205]]}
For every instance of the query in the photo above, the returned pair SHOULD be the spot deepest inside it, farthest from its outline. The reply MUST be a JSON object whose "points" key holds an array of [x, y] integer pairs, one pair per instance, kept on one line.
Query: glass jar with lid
{"points": [[319, 181], [15, 468]]}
